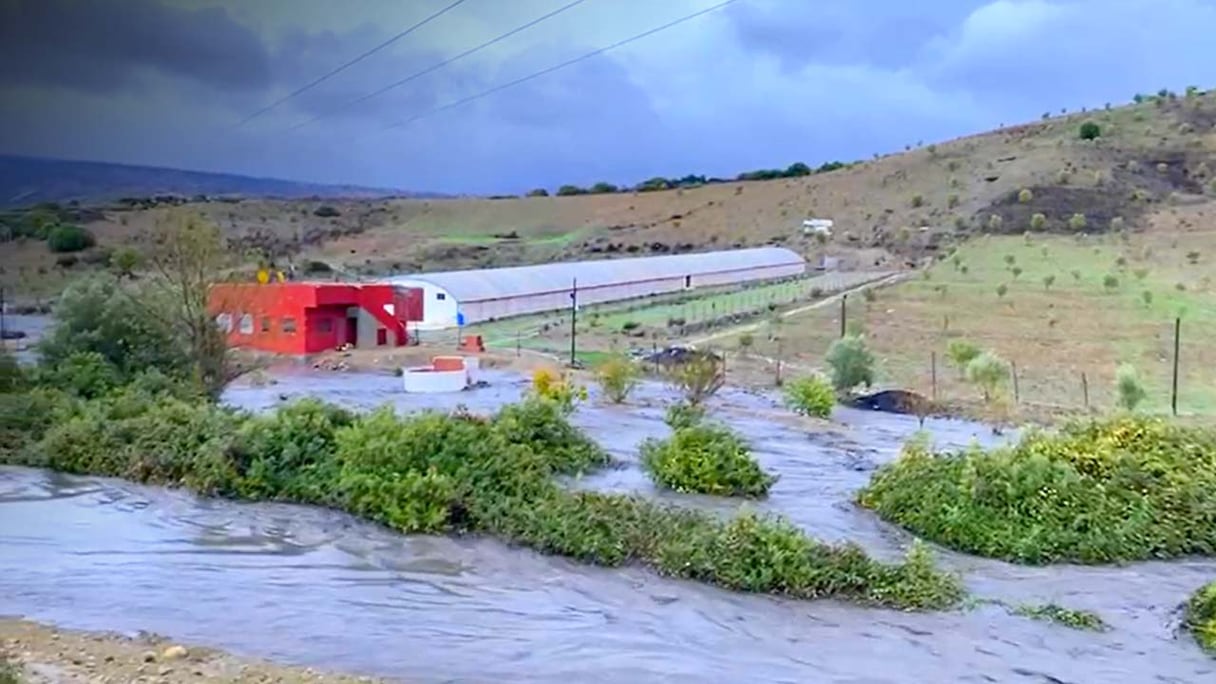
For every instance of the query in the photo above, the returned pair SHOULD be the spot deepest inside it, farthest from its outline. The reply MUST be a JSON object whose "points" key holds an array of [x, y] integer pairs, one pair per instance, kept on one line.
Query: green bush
{"points": [[1122, 489], [617, 375], [1090, 130], [1129, 391], [705, 459], [1200, 617], [988, 372], [811, 395], [86, 374], [436, 473], [851, 363], [68, 238], [682, 414], [1076, 619], [961, 352], [290, 454]]}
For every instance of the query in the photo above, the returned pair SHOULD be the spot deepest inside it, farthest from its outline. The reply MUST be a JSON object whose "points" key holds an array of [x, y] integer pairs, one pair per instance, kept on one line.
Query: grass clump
{"points": [[811, 395], [1075, 619], [1121, 489], [705, 458], [1129, 390], [1199, 617]]}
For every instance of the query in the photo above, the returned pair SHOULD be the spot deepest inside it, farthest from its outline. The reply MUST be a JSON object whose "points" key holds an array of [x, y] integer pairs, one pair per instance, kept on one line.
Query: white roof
{"points": [[492, 283]]}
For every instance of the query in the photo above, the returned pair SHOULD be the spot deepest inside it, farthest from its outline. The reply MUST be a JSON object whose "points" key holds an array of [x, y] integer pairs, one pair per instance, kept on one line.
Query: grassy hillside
{"points": [[1150, 168]]}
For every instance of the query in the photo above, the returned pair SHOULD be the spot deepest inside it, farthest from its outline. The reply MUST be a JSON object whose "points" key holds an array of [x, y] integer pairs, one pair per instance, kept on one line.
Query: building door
{"points": [[352, 332]]}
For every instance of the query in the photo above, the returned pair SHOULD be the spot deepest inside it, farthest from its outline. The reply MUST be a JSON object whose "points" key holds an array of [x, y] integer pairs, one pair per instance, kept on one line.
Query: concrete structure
{"points": [[465, 297], [308, 318], [445, 374]]}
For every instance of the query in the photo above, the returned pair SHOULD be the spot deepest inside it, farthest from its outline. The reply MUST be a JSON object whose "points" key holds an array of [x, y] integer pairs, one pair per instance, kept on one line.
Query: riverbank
{"points": [[43, 654]]}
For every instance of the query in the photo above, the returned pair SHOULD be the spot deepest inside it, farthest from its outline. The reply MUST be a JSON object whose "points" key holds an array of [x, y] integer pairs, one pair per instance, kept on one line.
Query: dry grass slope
{"points": [[1150, 159]]}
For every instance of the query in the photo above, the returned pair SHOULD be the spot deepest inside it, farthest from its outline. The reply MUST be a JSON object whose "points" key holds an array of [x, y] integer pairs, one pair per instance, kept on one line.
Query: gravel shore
{"points": [[41, 654]]}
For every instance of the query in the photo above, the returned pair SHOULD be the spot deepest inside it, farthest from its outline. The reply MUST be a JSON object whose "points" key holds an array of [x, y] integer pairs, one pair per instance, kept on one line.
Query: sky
{"points": [[757, 84]]}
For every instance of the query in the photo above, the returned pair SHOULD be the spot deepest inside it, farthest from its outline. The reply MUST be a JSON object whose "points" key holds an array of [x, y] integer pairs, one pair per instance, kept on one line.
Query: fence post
{"points": [[1177, 345], [1017, 394], [1085, 389], [518, 342], [777, 380], [933, 372], [844, 313]]}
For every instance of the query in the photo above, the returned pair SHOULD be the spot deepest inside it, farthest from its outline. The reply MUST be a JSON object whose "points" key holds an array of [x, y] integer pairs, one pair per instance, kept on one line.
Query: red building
{"points": [[308, 318]]}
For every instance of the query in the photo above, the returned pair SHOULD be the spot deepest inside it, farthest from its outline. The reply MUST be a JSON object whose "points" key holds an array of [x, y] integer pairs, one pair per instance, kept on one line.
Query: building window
{"points": [[325, 325], [289, 325], [246, 326], [224, 321], [440, 296], [381, 337], [265, 324]]}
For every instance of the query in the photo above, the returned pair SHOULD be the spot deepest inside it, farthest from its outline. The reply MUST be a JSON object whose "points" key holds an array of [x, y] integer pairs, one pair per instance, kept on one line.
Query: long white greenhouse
{"points": [[454, 298]]}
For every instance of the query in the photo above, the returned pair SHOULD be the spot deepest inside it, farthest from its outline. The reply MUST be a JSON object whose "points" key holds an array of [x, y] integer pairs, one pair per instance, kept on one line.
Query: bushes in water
{"points": [[1121, 489], [1200, 617], [457, 472], [705, 458], [811, 395]]}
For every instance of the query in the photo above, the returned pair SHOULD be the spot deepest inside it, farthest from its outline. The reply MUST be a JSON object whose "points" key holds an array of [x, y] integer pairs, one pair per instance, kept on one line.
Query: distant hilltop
{"points": [[26, 181]]}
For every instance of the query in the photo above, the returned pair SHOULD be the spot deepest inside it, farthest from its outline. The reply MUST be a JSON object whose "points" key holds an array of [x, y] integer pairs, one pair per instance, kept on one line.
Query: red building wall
{"points": [[308, 318]]}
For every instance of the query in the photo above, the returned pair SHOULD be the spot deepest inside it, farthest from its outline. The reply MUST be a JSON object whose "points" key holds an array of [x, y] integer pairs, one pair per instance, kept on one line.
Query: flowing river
{"points": [[314, 587]]}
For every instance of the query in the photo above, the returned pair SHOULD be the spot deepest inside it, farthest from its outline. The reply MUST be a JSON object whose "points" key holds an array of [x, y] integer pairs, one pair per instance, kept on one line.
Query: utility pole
{"points": [[573, 320], [3, 336]]}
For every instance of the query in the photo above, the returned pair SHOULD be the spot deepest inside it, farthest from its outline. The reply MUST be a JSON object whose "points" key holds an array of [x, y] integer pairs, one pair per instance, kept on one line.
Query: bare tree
{"points": [[185, 253]]}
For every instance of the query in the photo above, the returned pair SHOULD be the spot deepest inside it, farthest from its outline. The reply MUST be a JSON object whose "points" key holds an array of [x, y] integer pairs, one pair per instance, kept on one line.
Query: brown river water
{"points": [[314, 587]]}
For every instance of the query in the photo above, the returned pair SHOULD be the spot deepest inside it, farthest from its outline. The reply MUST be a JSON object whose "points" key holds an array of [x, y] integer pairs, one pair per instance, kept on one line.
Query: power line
{"points": [[440, 65], [318, 81], [563, 65]]}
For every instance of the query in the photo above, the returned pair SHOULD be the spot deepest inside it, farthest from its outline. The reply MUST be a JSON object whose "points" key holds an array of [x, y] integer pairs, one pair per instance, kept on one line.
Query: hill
{"points": [[1148, 164], [26, 181]]}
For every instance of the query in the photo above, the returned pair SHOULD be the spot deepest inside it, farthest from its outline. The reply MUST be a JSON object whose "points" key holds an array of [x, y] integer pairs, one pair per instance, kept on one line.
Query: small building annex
{"points": [[465, 297]]}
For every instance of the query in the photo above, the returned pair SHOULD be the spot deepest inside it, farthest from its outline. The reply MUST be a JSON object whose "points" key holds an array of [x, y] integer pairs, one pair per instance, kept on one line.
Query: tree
{"points": [[797, 169], [851, 362], [538, 192], [1090, 131], [988, 372], [568, 190], [185, 255], [603, 188]]}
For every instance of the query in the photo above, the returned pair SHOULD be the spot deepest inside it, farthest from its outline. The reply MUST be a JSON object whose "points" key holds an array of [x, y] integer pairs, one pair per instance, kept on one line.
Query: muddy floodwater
{"points": [[313, 587]]}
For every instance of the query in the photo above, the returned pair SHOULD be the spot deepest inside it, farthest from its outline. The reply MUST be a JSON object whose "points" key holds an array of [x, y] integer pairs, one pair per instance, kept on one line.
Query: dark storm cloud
{"points": [[106, 45], [880, 33]]}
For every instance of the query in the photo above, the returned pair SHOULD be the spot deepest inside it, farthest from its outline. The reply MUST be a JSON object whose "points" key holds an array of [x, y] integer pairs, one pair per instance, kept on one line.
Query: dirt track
{"points": [[48, 655]]}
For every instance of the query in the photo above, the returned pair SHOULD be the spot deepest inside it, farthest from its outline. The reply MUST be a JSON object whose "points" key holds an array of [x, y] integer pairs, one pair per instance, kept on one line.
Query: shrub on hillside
{"points": [[1122, 489], [1038, 221], [1090, 130], [1129, 390], [69, 238], [617, 376], [851, 363], [987, 372], [326, 211], [1199, 617], [810, 395], [960, 353], [705, 459]]}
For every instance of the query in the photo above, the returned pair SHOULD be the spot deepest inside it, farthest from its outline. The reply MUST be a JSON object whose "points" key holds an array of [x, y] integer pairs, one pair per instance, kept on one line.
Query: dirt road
{"points": [[39, 654]]}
